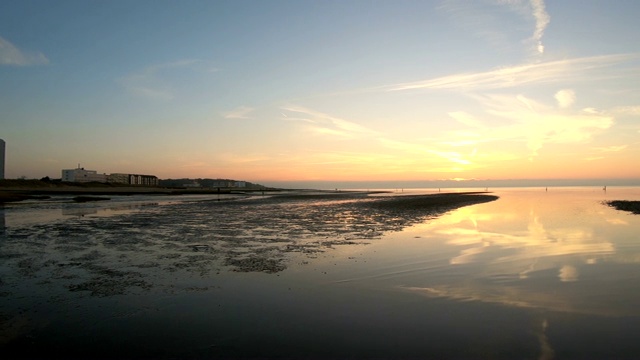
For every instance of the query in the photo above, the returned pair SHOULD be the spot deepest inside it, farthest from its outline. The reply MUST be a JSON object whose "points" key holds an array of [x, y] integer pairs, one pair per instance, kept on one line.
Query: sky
{"points": [[277, 91]]}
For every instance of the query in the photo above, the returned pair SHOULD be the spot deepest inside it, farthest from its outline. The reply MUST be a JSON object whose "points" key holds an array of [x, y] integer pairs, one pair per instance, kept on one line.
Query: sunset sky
{"points": [[269, 91]]}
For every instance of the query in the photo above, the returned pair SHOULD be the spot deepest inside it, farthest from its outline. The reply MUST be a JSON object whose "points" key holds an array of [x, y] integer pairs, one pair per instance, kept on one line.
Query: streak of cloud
{"points": [[542, 20], [544, 72], [539, 124], [11, 55], [525, 120], [241, 112], [450, 156], [627, 110], [481, 20], [327, 124], [152, 82], [611, 148], [465, 118]]}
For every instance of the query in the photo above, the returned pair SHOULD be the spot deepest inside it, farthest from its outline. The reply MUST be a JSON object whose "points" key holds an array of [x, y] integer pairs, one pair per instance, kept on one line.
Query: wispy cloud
{"points": [[538, 124], [507, 77], [520, 120], [482, 20], [594, 158], [241, 112], [611, 148], [419, 149], [11, 55], [326, 124], [627, 110], [542, 20], [392, 155], [234, 158], [465, 118], [153, 81]]}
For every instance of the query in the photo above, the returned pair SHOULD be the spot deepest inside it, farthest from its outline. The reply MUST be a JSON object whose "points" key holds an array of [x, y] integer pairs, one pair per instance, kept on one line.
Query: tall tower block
{"points": [[2, 159]]}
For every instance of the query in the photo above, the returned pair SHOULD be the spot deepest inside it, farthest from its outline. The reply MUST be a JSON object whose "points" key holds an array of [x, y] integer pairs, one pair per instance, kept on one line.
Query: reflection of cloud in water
{"points": [[617, 221], [568, 273], [605, 297], [530, 249], [546, 351], [540, 259]]}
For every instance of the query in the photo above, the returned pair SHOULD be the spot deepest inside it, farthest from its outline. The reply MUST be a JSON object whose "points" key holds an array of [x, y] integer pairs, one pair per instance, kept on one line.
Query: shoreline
{"points": [[40, 190]]}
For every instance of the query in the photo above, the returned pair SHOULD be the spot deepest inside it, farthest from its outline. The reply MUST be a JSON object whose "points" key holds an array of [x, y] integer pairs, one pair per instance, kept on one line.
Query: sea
{"points": [[539, 273]]}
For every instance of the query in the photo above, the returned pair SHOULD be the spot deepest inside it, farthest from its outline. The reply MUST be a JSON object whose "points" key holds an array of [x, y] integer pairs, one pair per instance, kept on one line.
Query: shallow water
{"points": [[535, 274]]}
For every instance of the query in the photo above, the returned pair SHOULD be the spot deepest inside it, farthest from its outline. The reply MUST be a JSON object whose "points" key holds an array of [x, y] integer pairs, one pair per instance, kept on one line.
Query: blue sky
{"points": [[271, 91]]}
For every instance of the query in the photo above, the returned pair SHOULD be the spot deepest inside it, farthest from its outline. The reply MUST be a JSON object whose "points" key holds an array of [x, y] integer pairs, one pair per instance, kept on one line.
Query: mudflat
{"points": [[321, 274]]}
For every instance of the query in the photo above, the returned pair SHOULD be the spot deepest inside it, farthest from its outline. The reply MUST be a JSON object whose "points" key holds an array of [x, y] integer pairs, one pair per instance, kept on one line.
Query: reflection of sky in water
{"points": [[558, 250], [59, 208], [530, 275]]}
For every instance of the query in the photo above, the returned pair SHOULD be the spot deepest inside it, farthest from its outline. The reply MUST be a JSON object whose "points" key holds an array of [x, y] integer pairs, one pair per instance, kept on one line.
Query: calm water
{"points": [[535, 275]]}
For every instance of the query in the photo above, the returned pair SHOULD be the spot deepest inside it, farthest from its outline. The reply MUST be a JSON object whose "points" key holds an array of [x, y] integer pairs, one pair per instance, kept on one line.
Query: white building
{"points": [[2, 145], [82, 175], [133, 179]]}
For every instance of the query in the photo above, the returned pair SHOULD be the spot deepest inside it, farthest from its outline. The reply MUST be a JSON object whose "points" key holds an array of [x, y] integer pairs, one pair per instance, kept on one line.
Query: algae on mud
{"points": [[253, 234]]}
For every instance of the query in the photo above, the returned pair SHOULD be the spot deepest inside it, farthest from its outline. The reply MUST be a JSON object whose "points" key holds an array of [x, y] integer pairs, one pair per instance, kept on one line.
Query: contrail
{"points": [[542, 20]]}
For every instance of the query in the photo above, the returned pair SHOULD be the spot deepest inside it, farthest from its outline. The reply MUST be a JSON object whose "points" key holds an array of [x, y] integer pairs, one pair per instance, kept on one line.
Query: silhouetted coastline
{"points": [[19, 190]]}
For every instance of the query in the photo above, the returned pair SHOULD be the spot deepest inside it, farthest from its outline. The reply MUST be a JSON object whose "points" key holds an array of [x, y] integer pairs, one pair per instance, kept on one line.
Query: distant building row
{"points": [[216, 184], [207, 183], [81, 175]]}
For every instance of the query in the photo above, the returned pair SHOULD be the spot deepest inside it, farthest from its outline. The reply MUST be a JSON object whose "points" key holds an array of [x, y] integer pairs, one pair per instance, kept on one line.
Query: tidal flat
{"points": [[321, 275]]}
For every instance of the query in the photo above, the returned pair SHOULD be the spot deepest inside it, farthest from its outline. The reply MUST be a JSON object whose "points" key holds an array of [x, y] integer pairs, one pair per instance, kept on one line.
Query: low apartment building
{"points": [[82, 175]]}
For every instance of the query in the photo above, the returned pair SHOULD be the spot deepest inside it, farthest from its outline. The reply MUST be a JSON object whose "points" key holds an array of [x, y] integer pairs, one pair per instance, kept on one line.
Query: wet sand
{"points": [[178, 248], [248, 234], [21, 193], [107, 255]]}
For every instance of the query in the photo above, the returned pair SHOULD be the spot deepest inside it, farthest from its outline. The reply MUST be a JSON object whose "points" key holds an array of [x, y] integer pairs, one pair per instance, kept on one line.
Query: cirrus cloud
{"points": [[326, 124], [507, 77], [537, 124], [155, 81], [241, 112], [12, 55]]}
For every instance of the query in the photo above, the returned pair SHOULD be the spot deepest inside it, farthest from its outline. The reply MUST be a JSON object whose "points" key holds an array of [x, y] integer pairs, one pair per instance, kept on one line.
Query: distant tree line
{"points": [[207, 183]]}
